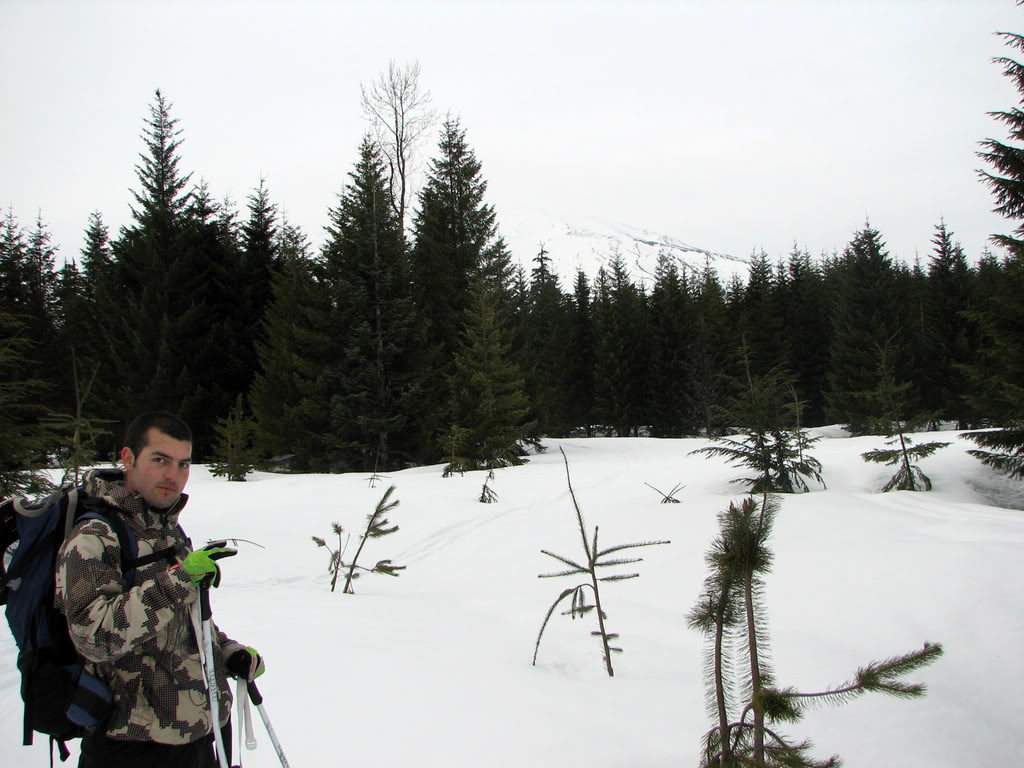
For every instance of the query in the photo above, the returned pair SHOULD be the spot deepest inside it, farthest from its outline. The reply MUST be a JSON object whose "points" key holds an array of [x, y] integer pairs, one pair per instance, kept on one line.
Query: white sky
{"points": [[733, 126]]}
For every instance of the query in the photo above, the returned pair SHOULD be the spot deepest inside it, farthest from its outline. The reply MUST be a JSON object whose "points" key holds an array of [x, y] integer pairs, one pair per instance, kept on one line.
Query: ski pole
{"points": [[257, 699], [211, 674]]}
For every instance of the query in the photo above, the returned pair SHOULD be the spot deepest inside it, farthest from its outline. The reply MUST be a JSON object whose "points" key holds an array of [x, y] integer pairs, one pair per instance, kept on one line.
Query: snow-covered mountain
{"points": [[588, 243]]}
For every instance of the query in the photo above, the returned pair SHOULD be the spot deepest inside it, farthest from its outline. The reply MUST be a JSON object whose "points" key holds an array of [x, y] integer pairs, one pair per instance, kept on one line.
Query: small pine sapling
{"points": [[890, 396], [774, 445], [377, 526], [670, 497], [731, 614], [487, 494], [595, 558], [336, 562], [453, 443], [80, 430], [375, 476], [234, 454]]}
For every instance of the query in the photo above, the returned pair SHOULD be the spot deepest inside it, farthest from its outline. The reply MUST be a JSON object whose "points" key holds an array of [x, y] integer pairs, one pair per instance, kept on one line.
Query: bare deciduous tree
{"points": [[400, 113]]}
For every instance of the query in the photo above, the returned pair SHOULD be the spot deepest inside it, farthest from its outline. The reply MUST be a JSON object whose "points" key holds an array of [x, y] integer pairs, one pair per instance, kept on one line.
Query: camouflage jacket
{"points": [[139, 640]]}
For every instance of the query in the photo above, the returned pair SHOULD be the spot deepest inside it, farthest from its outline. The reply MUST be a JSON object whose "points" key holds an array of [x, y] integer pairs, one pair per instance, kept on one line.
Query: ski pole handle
{"points": [[204, 603]]}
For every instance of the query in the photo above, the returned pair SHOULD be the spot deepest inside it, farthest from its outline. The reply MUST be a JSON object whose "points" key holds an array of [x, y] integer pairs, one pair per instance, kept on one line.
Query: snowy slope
{"points": [[433, 668], [589, 243]]}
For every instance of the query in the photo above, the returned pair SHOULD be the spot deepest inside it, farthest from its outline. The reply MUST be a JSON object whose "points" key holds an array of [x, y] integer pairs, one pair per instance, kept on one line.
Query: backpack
{"points": [[62, 700]]}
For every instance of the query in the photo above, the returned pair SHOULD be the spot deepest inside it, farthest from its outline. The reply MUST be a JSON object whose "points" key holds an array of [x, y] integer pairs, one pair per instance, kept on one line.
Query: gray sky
{"points": [[733, 126]]}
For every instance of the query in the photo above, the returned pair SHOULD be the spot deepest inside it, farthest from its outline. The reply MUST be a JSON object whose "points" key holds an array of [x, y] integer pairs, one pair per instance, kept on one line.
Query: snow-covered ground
{"points": [[433, 668]]}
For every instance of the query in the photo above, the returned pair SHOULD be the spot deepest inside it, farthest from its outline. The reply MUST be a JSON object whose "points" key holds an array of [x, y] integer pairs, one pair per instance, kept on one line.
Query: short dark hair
{"points": [[168, 423]]}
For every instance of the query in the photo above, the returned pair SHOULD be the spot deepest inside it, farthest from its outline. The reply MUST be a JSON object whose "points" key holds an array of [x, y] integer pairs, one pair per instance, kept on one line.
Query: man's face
{"points": [[160, 471]]}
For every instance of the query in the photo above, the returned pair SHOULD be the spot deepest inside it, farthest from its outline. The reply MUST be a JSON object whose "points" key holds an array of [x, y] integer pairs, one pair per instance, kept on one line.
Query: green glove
{"points": [[200, 565]]}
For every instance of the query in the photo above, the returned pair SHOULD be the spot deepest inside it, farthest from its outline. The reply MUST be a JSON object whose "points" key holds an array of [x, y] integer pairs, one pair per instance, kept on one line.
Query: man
{"points": [[140, 640]]}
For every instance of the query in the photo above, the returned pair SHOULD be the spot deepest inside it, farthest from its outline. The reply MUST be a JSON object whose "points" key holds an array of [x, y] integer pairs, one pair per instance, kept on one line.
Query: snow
{"points": [[433, 668], [590, 242]]}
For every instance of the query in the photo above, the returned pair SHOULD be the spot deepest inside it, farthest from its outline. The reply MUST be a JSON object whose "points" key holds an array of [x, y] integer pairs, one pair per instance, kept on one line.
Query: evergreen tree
{"points": [[621, 362], [759, 317], [710, 347], [290, 395], [731, 612], [234, 455], [805, 309], [489, 407], [544, 347], [259, 259], [377, 381], [891, 397], [579, 364], [25, 441], [867, 315], [774, 445], [456, 240], [13, 290], [999, 371], [671, 323], [147, 361], [950, 336]]}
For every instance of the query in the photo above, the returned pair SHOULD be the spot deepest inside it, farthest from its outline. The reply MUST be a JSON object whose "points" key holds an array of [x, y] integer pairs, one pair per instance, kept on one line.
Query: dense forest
{"points": [[412, 335]]}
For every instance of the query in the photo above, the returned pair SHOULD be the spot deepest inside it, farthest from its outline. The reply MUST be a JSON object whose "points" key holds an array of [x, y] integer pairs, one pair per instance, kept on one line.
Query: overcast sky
{"points": [[734, 126]]}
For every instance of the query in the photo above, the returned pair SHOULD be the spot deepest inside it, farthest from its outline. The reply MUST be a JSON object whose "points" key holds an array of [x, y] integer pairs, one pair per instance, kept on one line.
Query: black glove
{"points": [[246, 664]]}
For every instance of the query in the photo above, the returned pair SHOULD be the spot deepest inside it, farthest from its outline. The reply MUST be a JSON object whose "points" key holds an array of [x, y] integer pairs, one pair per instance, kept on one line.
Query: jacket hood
{"points": [[108, 485]]}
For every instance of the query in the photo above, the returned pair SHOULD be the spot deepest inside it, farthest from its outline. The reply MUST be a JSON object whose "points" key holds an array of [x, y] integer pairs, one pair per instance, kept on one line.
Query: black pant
{"points": [[100, 752]]}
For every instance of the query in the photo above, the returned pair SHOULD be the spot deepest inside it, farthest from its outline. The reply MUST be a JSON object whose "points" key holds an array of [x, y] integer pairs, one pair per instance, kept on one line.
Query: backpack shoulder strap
{"points": [[127, 541]]}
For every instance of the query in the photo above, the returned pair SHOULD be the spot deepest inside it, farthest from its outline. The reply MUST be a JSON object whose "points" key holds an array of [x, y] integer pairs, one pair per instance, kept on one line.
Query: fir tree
{"points": [[774, 444], [290, 395], [234, 455], [620, 352], [544, 347], [24, 441], [710, 343], [891, 398], [489, 406], [999, 370], [579, 365], [377, 381], [671, 323], [805, 310], [867, 314]]}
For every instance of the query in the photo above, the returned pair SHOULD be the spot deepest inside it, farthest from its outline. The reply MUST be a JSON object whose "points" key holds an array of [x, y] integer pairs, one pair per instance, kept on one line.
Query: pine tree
{"points": [[950, 336], [805, 309], [731, 612], [544, 347], [621, 351], [773, 444], [290, 395], [671, 323], [234, 455], [488, 405], [259, 260], [760, 318], [867, 315], [999, 371], [25, 441], [579, 366], [377, 381], [891, 397], [710, 351], [146, 364], [456, 240]]}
